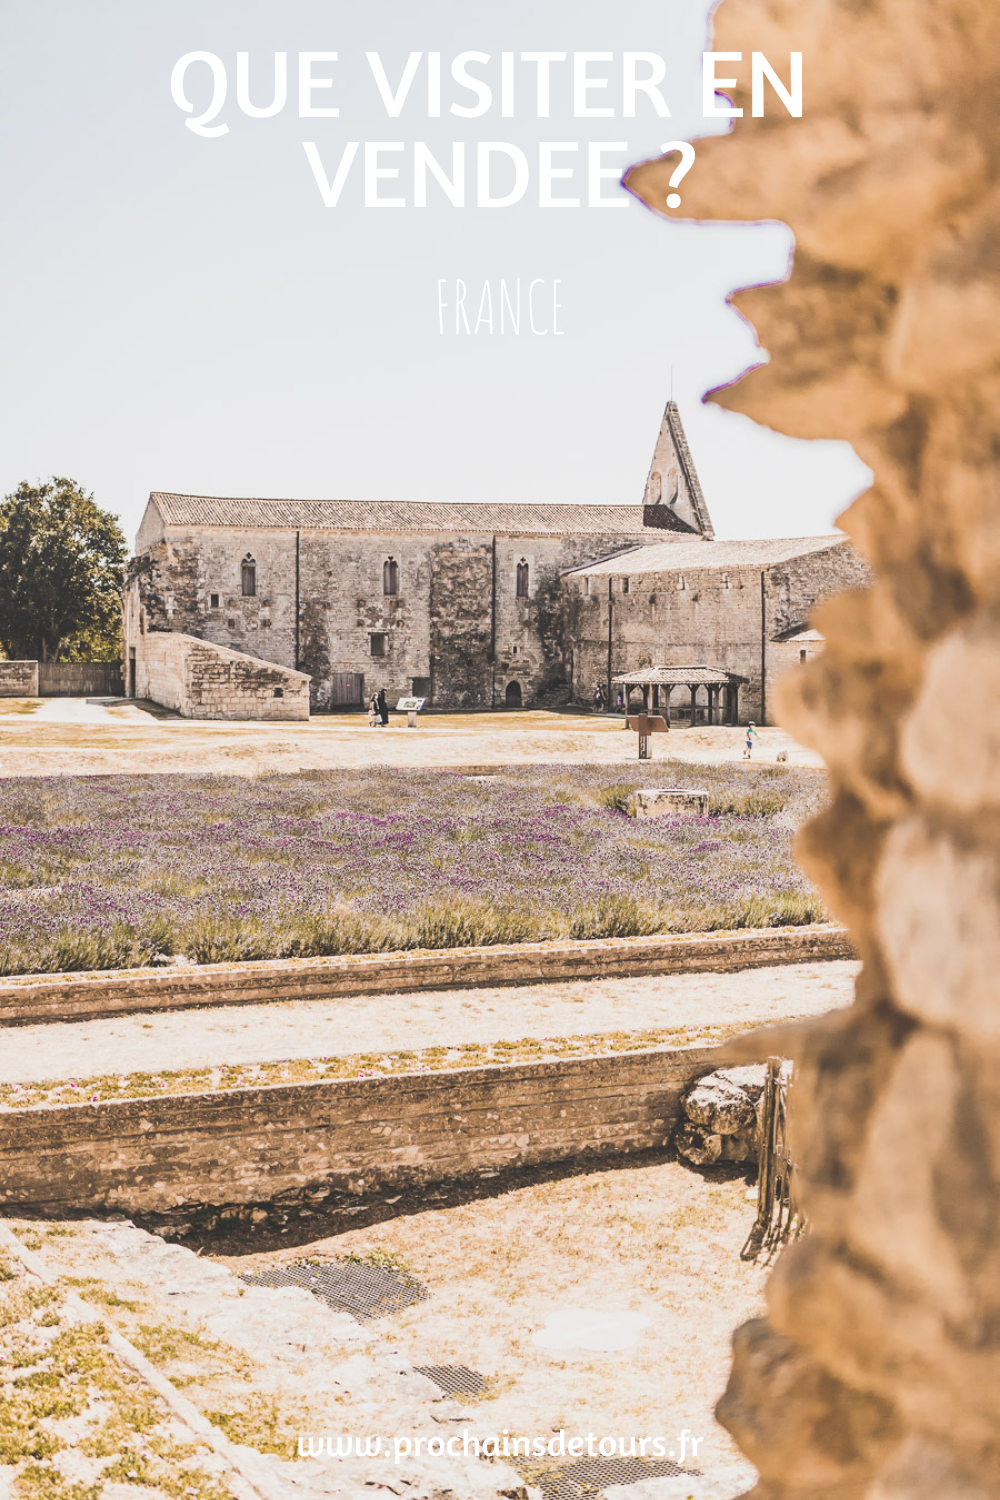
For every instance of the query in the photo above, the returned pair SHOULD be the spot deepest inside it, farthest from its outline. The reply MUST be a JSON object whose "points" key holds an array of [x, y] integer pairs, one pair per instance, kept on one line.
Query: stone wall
{"points": [[456, 632], [202, 681], [708, 616], [18, 679], [80, 679], [876, 1373], [48, 997], [247, 1146]]}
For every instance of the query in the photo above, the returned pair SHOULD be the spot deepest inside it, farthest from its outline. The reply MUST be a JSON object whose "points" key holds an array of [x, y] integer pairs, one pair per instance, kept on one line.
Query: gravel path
{"points": [[379, 1023], [68, 737]]}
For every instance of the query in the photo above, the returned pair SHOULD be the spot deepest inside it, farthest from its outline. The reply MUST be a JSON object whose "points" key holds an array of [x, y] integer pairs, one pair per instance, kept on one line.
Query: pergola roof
{"points": [[693, 676]]}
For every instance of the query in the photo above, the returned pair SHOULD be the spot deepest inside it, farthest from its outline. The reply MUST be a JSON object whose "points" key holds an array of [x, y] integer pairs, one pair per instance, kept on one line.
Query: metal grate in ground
{"points": [[365, 1291], [455, 1380], [588, 1478]]}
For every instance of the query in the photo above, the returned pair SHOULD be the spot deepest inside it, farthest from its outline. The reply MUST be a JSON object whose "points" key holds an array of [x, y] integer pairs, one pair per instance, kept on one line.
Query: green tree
{"points": [[62, 565]]}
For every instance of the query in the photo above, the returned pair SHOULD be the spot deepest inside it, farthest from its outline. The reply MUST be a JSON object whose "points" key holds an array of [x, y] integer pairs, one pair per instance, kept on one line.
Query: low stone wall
{"points": [[312, 1142], [204, 681], [18, 679], [80, 679], [68, 997]]}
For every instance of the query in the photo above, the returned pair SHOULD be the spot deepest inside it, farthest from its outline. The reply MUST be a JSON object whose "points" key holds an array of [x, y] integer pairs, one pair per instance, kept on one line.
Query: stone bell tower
{"points": [[673, 500]]}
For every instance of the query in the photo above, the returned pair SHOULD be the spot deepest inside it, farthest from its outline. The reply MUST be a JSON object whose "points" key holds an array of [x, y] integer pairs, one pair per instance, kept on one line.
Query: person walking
{"points": [[374, 719], [748, 747], [383, 707]]}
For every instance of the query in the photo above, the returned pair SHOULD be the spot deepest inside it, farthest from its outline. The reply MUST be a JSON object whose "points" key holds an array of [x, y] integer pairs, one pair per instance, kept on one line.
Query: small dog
{"points": [[782, 755]]}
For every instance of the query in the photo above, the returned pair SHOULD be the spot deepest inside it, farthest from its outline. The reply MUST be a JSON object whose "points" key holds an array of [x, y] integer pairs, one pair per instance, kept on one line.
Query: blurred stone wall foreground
{"points": [[877, 1370]]}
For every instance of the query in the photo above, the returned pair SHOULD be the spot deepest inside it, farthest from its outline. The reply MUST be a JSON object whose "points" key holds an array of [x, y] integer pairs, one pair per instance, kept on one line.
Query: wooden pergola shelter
{"points": [[722, 690]]}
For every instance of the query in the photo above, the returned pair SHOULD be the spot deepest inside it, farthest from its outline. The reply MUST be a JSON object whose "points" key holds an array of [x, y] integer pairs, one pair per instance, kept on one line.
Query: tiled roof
{"points": [[401, 515], [686, 555], [674, 676], [808, 636]]}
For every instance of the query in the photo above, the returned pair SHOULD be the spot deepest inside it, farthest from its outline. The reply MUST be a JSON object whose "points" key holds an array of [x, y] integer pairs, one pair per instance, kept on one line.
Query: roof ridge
{"points": [[504, 516]]}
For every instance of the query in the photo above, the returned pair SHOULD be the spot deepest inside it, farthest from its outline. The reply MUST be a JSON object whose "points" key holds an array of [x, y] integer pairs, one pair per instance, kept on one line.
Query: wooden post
{"points": [[694, 703]]}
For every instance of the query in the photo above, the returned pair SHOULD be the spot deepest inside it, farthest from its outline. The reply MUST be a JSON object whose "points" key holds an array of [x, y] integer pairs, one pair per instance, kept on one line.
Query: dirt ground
{"points": [[70, 736], [647, 1249], [391, 1023], [661, 1241], [598, 1302]]}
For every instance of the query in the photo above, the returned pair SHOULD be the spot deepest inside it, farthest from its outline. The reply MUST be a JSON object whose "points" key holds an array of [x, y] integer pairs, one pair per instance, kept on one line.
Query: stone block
{"points": [[670, 802], [18, 679], [720, 1106]]}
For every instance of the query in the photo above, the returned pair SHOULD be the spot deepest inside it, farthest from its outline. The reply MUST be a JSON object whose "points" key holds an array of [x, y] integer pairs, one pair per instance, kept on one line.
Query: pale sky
{"points": [[185, 314]]}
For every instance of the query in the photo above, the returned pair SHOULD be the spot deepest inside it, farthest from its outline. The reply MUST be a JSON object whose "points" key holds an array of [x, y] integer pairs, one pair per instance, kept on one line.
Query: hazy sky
{"points": [[185, 314]]}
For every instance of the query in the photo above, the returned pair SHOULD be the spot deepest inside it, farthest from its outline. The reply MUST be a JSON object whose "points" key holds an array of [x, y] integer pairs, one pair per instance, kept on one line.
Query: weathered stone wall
{"points": [[34, 998], [244, 1146], [80, 679], [440, 630], [877, 1371], [704, 616], [18, 679], [202, 681]]}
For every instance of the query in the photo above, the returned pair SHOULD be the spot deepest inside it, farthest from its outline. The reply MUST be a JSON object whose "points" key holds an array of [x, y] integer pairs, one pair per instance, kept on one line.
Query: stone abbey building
{"points": [[265, 608]]}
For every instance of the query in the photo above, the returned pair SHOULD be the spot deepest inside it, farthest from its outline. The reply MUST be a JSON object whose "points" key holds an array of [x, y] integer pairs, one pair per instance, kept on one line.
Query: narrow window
{"points": [[587, 585], [377, 643], [522, 579], [725, 580], [248, 577], [390, 576], [279, 692], [213, 601], [802, 654], [681, 584], [624, 585]]}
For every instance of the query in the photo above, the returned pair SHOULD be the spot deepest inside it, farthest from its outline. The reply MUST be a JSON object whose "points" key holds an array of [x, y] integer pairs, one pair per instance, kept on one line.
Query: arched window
{"points": [[655, 488], [248, 577], [390, 576], [522, 579]]}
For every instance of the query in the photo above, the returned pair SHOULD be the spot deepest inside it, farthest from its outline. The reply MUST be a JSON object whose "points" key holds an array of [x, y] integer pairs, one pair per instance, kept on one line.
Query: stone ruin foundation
{"points": [[876, 1372]]}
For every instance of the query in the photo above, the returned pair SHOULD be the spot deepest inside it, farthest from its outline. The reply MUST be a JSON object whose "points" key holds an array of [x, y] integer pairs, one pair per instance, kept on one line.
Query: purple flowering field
{"points": [[107, 872]]}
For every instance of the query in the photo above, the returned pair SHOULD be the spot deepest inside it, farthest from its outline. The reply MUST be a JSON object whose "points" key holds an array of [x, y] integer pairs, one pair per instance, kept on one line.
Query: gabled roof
{"points": [[686, 555], [677, 676], [401, 516]]}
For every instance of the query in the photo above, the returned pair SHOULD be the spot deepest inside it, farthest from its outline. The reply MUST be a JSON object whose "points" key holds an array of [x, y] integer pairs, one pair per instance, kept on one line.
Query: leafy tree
{"points": [[62, 565]]}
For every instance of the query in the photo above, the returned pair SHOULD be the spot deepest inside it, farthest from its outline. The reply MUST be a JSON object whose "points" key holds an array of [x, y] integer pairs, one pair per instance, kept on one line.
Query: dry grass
{"points": [[112, 1086]]}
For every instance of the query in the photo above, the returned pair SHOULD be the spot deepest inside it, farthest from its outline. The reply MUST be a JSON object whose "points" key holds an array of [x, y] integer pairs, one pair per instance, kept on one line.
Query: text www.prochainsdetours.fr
{"points": [[504, 1444]]}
